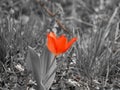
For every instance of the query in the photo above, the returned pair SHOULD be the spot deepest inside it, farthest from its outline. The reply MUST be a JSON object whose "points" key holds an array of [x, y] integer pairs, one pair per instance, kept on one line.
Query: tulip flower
{"points": [[58, 45]]}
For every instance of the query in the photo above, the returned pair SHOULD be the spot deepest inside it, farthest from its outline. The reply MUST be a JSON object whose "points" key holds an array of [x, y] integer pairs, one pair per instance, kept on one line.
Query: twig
{"points": [[61, 25], [52, 15], [49, 12]]}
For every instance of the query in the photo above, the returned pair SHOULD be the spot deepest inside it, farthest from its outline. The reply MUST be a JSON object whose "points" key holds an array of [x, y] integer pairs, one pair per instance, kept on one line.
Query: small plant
{"points": [[44, 66]]}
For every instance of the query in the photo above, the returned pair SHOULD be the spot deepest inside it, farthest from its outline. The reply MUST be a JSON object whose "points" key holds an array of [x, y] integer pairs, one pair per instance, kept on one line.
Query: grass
{"points": [[93, 62]]}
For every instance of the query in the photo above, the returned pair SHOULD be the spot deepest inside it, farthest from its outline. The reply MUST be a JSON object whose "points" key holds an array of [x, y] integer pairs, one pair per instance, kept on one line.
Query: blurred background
{"points": [[93, 62]]}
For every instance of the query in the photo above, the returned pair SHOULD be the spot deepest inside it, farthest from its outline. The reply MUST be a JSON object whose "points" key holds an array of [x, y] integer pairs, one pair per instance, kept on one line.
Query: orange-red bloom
{"points": [[58, 45]]}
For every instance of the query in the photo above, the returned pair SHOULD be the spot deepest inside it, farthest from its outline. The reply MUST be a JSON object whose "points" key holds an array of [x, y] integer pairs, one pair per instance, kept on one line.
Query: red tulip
{"points": [[58, 45]]}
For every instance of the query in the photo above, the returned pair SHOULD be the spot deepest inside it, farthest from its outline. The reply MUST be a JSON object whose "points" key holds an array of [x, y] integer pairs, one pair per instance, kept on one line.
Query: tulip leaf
{"points": [[33, 58], [40, 67], [46, 60]]}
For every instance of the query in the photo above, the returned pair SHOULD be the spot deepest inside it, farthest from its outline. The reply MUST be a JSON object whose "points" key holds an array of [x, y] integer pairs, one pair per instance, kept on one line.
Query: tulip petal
{"points": [[51, 34], [61, 43], [58, 45], [69, 44], [51, 43]]}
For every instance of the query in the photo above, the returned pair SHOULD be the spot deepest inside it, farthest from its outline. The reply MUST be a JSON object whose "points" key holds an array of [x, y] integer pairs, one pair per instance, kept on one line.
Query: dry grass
{"points": [[93, 63]]}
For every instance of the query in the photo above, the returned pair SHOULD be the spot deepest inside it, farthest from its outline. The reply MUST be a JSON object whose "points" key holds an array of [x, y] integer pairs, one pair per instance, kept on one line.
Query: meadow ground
{"points": [[92, 62]]}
